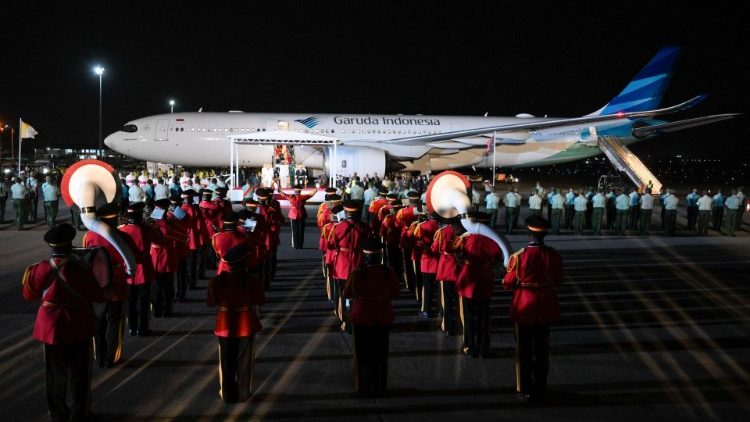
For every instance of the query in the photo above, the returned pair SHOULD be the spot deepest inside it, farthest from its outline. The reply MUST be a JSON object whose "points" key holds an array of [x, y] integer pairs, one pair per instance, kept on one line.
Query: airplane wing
{"points": [[542, 124], [682, 124]]}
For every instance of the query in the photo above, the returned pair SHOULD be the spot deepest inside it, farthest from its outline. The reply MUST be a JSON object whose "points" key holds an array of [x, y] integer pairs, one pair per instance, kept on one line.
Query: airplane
{"points": [[374, 143]]}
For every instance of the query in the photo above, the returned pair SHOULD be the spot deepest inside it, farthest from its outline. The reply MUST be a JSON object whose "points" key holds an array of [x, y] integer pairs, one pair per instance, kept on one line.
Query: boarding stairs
{"points": [[625, 161]]}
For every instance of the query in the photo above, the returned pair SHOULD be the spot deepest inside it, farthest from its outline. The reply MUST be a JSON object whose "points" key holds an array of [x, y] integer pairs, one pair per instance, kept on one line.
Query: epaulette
{"points": [[513, 260], [458, 242], [27, 273]]}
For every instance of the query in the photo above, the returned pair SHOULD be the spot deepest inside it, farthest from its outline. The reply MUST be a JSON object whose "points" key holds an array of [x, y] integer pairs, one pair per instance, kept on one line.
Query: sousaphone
{"points": [[447, 197]]}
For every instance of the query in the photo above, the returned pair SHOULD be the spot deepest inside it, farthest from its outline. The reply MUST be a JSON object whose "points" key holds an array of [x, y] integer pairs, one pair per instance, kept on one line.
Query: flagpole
{"points": [[20, 122], [494, 160]]}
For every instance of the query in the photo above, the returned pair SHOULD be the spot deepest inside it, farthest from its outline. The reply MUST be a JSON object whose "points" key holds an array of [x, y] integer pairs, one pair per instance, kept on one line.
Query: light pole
{"points": [[171, 106], [99, 71]]}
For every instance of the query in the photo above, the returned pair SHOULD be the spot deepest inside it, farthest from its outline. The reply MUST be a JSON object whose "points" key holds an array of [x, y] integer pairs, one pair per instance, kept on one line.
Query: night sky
{"points": [[365, 57]]}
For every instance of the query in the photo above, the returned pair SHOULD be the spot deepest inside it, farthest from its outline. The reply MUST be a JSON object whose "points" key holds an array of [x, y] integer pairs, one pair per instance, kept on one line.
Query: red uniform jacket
{"points": [[257, 250], [321, 220], [533, 272], [223, 242], [119, 276], [64, 317], [374, 209], [372, 287], [390, 230], [138, 237], [425, 235], [236, 317], [163, 257], [296, 205], [193, 224], [480, 255], [273, 222], [212, 212], [180, 232], [408, 241], [447, 269], [326, 237], [347, 235]]}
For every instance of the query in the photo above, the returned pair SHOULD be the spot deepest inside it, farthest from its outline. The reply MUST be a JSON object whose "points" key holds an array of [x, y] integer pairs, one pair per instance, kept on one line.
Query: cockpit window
{"points": [[130, 128]]}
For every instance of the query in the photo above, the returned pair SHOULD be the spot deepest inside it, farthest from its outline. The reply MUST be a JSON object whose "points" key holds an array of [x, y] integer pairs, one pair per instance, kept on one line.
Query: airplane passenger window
{"points": [[130, 128]]}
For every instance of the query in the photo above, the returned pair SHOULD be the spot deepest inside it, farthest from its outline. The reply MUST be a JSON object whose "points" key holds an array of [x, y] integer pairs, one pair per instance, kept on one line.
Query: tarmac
{"points": [[653, 328]]}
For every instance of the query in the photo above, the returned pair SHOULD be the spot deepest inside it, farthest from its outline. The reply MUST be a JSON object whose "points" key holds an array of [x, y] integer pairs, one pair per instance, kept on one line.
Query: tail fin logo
{"points": [[310, 122]]}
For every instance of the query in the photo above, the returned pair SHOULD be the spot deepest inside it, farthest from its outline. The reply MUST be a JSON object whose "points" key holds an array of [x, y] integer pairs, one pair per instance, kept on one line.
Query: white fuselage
{"points": [[202, 140]]}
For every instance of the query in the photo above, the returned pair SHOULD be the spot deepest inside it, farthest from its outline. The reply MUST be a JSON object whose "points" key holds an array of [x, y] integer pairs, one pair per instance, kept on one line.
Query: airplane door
{"points": [[162, 130]]}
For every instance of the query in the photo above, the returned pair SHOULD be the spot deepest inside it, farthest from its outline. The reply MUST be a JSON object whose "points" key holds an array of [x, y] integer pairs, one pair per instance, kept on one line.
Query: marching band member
{"points": [[474, 284], [194, 224], [447, 272], [110, 325], [371, 287], [138, 238], [164, 260], [235, 291], [297, 215], [64, 324], [533, 273], [390, 232], [228, 238], [425, 235], [345, 240], [181, 224]]}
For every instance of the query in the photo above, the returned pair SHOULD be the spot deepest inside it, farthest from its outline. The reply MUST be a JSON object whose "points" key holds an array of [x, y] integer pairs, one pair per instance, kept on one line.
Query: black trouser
{"points": [[110, 326], [569, 210], [634, 216], [475, 317], [33, 206], [417, 265], [236, 357], [670, 223], [371, 359], [610, 207], [718, 216], [138, 307], [203, 253], [645, 221], [450, 307], [19, 207], [182, 278], [340, 302], [163, 294], [298, 233], [511, 215], [532, 358], [429, 286], [555, 220], [692, 216], [703, 217], [408, 269], [3, 204], [621, 221], [50, 213], [395, 259], [192, 268], [68, 380]]}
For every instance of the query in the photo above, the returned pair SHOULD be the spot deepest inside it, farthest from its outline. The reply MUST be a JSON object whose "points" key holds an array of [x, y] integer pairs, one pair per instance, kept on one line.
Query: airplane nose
{"points": [[109, 141]]}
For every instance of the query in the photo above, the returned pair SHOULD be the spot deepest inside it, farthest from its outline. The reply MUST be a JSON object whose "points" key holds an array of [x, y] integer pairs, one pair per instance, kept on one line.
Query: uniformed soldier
{"points": [[622, 205], [474, 284], [32, 184], [347, 236], [236, 291], [51, 194], [732, 205], [64, 324], [692, 209], [634, 212], [163, 259], [390, 232], [447, 273], [18, 194], [371, 287], [647, 205], [181, 224], [718, 210], [670, 212], [110, 325], [580, 204], [558, 205], [533, 273], [226, 239], [598, 202], [705, 204], [138, 237], [512, 205], [297, 215], [535, 203], [193, 223], [610, 209]]}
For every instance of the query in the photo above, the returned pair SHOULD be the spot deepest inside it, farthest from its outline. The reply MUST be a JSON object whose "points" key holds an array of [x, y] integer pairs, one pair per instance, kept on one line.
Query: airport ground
{"points": [[653, 328]]}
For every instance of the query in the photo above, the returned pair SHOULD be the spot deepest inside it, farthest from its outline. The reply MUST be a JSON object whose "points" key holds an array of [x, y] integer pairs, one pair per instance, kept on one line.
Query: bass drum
{"points": [[97, 260]]}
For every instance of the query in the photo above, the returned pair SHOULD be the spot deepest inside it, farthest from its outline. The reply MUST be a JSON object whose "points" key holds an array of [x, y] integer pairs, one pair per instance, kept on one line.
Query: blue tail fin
{"points": [[644, 92]]}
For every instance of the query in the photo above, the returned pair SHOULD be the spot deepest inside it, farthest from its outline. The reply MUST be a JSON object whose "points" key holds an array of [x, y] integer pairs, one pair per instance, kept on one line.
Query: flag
{"points": [[27, 131], [490, 144]]}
